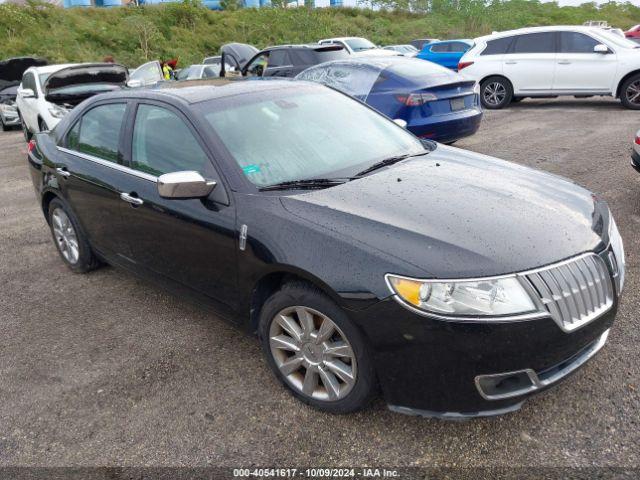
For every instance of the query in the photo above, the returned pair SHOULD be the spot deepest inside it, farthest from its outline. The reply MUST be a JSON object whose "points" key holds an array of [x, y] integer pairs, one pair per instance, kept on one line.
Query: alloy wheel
{"points": [[65, 236], [494, 93], [633, 92], [312, 353]]}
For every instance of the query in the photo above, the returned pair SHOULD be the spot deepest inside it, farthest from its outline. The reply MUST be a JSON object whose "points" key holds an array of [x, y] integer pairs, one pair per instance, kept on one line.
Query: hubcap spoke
{"points": [[306, 320], [325, 332], [339, 349], [290, 326], [285, 342], [330, 383], [341, 369], [65, 236], [310, 382], [290, 366]]}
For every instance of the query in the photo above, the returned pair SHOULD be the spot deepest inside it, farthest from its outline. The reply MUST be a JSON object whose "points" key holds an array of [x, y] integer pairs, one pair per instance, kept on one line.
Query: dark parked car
{"points": [[419, 43], [360, 254], [290, 60], [434, 102]]}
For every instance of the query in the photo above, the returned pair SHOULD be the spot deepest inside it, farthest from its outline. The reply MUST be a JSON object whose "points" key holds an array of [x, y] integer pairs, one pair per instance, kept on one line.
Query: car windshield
{"points": [[359, 44], [618, 40], [312, 132]]}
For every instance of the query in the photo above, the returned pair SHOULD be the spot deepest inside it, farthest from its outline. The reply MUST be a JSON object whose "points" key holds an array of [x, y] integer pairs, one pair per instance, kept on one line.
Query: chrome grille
{"points": [[574, 292]]}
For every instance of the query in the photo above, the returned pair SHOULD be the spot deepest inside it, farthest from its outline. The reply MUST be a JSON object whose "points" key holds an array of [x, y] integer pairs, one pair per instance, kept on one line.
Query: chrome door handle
{"points": [[63, 172], [511, 62], [132, 200], [564, 62]]}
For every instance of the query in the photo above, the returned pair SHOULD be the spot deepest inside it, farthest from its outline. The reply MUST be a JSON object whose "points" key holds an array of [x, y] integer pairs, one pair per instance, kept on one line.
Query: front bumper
{"points": [[429, 367]]}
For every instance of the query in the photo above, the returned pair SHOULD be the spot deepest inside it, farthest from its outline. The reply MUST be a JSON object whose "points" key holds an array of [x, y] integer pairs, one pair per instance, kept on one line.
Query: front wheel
{"points": [[496, 92], [630, 92], [315, 350]]}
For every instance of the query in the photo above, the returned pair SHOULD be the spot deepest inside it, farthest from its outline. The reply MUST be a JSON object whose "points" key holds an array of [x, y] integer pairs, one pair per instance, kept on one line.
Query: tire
{"points": [[3, 127], [25, 130], [355, 383], [496, 92], [70, 241], [630, 92]]}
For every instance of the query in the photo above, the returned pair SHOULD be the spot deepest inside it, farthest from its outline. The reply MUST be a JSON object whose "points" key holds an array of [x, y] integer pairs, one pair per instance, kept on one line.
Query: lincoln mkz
{"points": [[367, 261]]}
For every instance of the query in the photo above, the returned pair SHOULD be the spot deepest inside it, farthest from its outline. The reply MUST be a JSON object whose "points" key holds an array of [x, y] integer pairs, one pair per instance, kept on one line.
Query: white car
{"points": [[36, 113], [46, 94], [359, 46], [554, 61]]}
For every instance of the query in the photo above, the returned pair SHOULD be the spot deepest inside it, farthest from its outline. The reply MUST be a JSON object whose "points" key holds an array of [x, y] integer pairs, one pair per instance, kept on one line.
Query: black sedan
{"points": [[458, 283]]}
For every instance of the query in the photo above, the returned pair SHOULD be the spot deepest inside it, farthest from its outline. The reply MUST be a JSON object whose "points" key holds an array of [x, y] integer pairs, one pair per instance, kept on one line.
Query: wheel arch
{"points": [[624, 79], [47, 197], [501, 75], [270, 282]]}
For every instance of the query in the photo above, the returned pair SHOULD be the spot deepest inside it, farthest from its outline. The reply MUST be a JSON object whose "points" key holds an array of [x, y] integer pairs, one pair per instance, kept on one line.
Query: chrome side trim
{"points": [[105, 163], [538, 383]]}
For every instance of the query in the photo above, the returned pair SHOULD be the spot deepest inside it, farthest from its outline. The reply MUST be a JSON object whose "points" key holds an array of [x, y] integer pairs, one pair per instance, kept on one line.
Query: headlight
{"points": [[618, 262], [473, 298], [57, 111], [9, 109]]}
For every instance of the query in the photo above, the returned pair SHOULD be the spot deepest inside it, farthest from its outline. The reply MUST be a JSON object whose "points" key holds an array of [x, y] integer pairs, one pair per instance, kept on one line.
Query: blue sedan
{"points": [[446, 53], [435, 102]]}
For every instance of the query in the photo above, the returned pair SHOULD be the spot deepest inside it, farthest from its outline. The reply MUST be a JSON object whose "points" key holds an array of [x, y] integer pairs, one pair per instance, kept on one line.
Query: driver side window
{"points": [[163, 143], [258, 66]]}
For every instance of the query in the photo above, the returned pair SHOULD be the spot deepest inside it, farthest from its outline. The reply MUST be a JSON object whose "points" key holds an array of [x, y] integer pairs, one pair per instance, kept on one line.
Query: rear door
{"points": [[580, 69], [189, 241], [530, 63], [91, 174], [29, 106], [279, 64]]}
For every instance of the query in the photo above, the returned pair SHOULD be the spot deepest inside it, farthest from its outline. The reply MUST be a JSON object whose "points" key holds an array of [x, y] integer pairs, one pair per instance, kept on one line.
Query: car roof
{"points": [[463, 40], [309, 46], [551, 28], [196, 91], [338, 38], [382, 63]]}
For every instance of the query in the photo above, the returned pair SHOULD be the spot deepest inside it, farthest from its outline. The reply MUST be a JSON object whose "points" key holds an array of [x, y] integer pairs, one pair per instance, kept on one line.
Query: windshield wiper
{"points": [[308, 183], [389, 161]]}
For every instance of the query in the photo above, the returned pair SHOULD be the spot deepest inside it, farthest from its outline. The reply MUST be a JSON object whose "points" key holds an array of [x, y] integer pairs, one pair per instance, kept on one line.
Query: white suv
{"points": [[36, 113], [553, 61], [360, 47]]}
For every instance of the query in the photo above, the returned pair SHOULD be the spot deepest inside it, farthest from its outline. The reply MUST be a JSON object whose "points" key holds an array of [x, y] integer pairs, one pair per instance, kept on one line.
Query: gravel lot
{"points": [[104, 369]]}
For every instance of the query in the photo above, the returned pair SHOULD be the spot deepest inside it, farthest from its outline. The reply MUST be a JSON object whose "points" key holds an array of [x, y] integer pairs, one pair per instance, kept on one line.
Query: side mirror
{"points": [[188, 184], [26, 93], [600, 48], [400, 122]]}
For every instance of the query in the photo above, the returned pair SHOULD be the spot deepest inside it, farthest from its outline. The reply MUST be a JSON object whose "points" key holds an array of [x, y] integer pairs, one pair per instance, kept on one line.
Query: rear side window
{"points": [[308, 56], [163, 143], [499, 46], [278, 58], [99, 133], [535, 43], [440, 48], [574, 42], [458, 47]]}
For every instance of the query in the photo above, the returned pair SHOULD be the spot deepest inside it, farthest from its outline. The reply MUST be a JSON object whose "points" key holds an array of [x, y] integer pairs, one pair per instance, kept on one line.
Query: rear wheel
{"points": [[630, 92], [315, 350], [71, 243], [496, 92]]}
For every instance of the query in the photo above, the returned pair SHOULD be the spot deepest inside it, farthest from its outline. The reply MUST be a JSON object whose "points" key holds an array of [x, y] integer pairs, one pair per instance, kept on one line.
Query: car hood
{"points": [[57, 87], [457, 214], [11, 70]]}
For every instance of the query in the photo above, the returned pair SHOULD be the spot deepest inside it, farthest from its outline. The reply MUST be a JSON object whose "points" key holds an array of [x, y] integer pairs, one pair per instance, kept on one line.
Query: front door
{"points": [[531, 62], [190, 241], [580, 69]]}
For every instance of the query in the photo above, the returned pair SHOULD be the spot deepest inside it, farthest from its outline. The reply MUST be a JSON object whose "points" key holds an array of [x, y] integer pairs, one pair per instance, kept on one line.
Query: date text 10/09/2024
{"points": [[315, 472]]}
